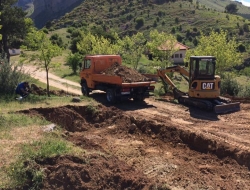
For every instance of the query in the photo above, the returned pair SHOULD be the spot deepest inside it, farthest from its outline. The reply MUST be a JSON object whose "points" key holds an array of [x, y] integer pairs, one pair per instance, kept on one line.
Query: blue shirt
{"points": [[19, 87]]}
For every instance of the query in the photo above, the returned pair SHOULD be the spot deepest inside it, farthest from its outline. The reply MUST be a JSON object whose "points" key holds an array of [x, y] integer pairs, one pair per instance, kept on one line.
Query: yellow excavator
{"points": [[204, 85]]}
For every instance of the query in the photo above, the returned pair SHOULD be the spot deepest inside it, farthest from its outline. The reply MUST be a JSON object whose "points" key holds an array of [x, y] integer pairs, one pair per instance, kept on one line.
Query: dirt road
{"points": [[55, 81]]}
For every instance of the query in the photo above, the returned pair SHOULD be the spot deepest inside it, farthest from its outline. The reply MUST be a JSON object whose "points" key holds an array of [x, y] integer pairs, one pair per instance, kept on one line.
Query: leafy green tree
{"points": [[38, 40], [218, 45], [132, 48], [92, 44], [231, 8], [13, 24], [162, 46], [74, 60]]}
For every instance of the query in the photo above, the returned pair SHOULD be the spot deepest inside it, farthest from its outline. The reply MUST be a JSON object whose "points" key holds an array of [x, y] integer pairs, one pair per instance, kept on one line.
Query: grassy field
{"points": [[22, 137]]}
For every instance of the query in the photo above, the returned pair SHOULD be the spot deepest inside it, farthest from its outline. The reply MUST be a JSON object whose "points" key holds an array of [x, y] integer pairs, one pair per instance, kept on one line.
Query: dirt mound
{"points": [[92, 172], [41, 91], [127, 152], [127, 74]]}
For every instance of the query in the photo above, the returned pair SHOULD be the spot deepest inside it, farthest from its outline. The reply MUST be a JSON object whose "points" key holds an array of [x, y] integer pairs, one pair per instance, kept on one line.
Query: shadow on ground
{"points": [[125, 105]]}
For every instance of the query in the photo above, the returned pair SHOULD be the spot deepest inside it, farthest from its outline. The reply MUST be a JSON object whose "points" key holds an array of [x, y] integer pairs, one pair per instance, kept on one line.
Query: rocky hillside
{"points": [[47, 10]]}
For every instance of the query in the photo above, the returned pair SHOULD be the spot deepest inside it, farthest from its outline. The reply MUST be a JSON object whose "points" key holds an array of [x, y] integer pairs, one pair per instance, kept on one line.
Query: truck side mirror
{"points": [[186, 64]]}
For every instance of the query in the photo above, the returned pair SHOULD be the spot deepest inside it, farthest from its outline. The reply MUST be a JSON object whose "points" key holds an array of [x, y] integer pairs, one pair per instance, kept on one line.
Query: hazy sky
{"points": [[245, 2]]}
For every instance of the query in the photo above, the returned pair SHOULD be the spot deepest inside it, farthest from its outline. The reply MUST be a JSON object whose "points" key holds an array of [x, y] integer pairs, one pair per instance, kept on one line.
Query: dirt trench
{"points": [[123, 151]]}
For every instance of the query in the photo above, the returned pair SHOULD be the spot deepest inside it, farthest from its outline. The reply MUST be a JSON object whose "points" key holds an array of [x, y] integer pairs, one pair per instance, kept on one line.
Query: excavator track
{"points": [[201, 104], [220, 105]]}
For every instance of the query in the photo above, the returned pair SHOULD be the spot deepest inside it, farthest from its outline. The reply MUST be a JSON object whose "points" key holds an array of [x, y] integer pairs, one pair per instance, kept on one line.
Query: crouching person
{"points": [[23, 89]]}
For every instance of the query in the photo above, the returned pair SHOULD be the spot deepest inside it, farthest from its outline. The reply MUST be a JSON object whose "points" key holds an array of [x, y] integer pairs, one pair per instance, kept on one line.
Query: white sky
{"points": [[245, 2]]}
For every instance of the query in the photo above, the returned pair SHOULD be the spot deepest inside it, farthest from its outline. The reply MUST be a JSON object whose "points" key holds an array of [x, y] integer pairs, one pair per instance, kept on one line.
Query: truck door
{"points": [[87, 71]]}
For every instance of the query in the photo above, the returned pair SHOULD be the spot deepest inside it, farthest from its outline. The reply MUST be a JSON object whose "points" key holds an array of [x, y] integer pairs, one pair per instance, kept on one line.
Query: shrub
{"points": [[10, 76], [57, 40], [244, 92], [139, 22], [74, 61], [230, 86]]}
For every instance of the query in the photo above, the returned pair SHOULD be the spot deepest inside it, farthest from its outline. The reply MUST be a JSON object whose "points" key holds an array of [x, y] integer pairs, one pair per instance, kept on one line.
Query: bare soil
{"points": [[155, 145], [36, 90], [127, 74]]}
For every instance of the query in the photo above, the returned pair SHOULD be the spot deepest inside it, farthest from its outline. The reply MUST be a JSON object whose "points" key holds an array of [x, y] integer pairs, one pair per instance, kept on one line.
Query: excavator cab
{"points": [[202, 67], [203, 83]]}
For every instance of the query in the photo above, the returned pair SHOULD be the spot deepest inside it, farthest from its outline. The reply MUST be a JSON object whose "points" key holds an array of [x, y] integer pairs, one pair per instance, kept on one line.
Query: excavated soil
{"points": [[36, 90], [127, 74], [157, 145]]}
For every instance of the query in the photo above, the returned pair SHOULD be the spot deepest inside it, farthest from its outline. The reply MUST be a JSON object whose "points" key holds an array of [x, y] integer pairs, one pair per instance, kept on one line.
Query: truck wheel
{"points": [[110, 95], [139, 98], [85, 89]]}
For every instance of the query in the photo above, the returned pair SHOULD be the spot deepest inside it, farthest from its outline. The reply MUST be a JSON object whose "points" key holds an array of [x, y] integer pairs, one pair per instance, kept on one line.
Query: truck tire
{"points": [[110, 96], [85, 89], [139, 98]]}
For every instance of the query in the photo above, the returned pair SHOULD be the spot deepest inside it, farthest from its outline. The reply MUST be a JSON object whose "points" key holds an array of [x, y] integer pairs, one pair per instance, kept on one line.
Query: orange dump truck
{"points": [[93, 77]]}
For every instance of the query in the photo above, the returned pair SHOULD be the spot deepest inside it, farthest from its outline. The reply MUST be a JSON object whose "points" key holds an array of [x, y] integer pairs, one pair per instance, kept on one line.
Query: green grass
{"points": [[8, 121], [62, 33], [28, 143], [10, 104], [48, 146]]}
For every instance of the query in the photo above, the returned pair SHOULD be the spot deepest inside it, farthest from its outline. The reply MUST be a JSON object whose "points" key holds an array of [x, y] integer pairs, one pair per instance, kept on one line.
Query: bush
{"points": [[74, 61], [10, 76], [139, 22], [57, 40], [245, 92], [230, 86]]}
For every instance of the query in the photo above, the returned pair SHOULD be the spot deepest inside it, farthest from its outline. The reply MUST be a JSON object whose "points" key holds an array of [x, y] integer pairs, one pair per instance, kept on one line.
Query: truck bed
{"points": [[117, 80]]}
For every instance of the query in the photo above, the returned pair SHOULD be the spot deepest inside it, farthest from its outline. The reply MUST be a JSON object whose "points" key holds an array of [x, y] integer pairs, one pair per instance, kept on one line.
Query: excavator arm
{"points": [[162, 73]]}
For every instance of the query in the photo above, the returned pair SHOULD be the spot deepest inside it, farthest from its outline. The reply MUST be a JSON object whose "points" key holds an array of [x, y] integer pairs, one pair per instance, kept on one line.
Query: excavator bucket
{"points": [[226, 108]]}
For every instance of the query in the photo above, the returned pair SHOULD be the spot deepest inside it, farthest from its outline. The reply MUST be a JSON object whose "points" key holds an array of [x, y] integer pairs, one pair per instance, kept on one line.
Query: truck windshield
{"points": [[87, 63]]}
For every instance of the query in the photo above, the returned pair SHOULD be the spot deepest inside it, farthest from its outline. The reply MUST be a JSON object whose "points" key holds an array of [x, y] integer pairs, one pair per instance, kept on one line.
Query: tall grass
{"points": [[26, 171]]}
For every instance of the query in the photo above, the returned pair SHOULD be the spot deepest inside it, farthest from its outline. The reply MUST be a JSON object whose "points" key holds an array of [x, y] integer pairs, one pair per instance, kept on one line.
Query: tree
{"points": [[92, 44], [218, 45], [162, 46], [13, 24], [132, 48], [231, 8], [37, 40], [74, 60]]}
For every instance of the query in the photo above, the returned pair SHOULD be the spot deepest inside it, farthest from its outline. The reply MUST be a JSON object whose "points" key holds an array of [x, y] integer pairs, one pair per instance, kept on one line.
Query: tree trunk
{"points": [[5, 45], [47, 77]]}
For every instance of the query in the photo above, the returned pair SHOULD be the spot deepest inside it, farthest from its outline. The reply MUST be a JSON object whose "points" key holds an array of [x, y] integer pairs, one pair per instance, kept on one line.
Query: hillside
{"points": [[182, 18], [220, 5], [45, 10]]}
